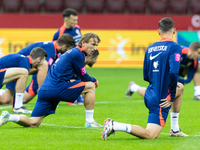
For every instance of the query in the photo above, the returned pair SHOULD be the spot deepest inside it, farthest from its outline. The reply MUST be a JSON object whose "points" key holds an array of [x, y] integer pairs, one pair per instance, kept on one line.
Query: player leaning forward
{"points": [[161, 67], [57, 86]]}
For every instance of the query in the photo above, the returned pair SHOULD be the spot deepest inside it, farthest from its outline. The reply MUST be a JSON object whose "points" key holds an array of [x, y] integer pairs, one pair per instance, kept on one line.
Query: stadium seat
{"points": [[31, 5], [115, 6], [75, 4], [195, 6], [136, 6], [178, 6], [11, 5], [158, 6], [53, 5], [96, 6]]}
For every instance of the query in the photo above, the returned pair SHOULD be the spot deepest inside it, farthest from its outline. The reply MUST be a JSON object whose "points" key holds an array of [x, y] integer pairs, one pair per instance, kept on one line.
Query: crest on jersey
{"points": [[77, 31], [155, 64]]}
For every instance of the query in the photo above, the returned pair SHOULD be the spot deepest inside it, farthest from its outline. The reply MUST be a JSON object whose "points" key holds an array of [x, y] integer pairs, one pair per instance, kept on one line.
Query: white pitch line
{"points": [[133, 101], [10, 106], [5, 107], [55, 125]]}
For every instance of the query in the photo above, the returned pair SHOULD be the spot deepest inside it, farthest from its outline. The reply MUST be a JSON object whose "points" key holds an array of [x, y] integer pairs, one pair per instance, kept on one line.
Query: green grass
{"points": [[65, 129]]}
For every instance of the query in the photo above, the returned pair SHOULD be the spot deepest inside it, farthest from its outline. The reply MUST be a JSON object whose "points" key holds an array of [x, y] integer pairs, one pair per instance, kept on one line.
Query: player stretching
{"points": [[57, 86], [161, 66], [188, 66], [16, 67], [64, 43]]}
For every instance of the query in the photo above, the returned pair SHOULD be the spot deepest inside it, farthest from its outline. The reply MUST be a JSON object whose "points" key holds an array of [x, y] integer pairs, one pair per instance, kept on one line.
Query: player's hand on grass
{"points": [[165, 103]]}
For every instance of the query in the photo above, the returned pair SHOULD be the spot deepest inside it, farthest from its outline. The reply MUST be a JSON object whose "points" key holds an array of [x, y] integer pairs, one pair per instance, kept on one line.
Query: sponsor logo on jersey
{"points": [[83, 70], [177, 57], [50, 61], [152, 57], [157, 48]]}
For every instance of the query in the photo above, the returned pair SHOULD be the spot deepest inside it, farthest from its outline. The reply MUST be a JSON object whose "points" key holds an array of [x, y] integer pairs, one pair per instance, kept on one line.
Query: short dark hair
{"points": [[87, 36], [66, 39], [38, 52], [95, 54], [165, 24], [195, 46], [68, 12]]}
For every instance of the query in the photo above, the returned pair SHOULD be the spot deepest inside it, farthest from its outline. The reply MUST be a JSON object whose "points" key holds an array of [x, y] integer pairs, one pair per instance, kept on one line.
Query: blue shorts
{"points": [[49, 97], [33, 86], [157, 115], [2, 74], [11, 85]]}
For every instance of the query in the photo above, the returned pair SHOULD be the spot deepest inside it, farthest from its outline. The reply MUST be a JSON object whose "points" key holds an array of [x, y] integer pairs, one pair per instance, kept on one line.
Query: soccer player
{"points": [[161, 66], [57, 86], [16, 67], [70, 17], [64, 43], [70, 26], [188, 66], [90, 60]]}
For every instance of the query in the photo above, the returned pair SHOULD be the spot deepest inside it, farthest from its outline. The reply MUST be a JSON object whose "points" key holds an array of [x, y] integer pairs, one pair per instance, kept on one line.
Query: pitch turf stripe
{"points": [[54, 125]]}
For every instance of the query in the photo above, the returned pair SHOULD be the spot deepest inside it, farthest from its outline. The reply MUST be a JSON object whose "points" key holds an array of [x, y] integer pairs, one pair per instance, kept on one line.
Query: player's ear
{"points": [[174, 30], [158, 31]]}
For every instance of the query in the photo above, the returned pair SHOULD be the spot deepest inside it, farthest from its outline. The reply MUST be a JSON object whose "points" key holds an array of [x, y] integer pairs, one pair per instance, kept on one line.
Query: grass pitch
{"points": [[65, 129]]}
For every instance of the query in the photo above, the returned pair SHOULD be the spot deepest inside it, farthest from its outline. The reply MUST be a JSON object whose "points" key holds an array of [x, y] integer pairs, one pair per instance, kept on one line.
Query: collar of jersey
{"points": [[55, 47], [165, 39], [79, 48], [30, 59]]}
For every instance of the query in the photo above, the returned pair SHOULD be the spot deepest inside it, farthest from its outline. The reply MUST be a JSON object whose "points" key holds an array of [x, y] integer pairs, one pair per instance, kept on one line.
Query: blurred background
{"points": [[126, 27]]}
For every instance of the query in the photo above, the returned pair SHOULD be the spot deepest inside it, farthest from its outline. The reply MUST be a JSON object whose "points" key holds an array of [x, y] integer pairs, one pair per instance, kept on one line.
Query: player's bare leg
{"points": [[7, 97], [197, 83], [21, 77], [175, 109], [89, 101], [20, 119], [27, 97], [30, 122], [151, 132], [19, 74]]}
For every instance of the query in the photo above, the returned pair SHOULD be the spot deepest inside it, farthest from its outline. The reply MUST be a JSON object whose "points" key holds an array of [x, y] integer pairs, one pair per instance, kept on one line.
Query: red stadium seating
{"points": [[178, 6], [115, 6], [31, 5], [195, 6], [53, 5], [75, 4], [158, 6], [11, 5], [95, 6], [136, 6]]}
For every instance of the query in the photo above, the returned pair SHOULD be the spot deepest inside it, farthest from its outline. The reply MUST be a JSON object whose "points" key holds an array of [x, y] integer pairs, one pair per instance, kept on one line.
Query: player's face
{"points": [[38, 62], [91, 46], [196, 54], [72, 21], [65, 48], [92, 61]]}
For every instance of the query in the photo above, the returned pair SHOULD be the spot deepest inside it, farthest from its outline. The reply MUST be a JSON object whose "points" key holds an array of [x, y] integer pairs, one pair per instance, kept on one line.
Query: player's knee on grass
{"points": [[35, 121]]}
